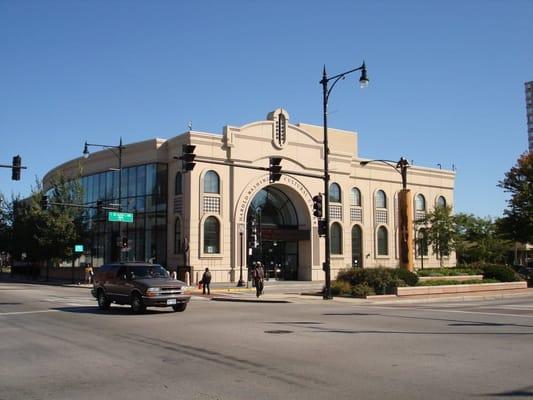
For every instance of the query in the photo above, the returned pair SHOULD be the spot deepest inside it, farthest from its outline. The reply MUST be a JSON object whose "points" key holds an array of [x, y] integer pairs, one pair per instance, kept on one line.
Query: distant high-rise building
{"points": [[529, 108]]}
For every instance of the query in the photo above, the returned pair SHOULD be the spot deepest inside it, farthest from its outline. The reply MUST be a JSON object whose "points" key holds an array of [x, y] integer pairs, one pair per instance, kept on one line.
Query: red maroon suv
{"points": [[139, 284]]}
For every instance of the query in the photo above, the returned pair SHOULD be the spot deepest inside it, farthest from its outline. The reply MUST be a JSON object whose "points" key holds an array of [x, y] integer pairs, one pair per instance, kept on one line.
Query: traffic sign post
{"points": [[115, 216]]}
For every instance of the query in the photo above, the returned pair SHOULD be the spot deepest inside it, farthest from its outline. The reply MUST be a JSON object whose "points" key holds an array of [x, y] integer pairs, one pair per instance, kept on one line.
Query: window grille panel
{"points": [[382, 217], [335, 211], [420, 215], [212, 204], [356, 214]]}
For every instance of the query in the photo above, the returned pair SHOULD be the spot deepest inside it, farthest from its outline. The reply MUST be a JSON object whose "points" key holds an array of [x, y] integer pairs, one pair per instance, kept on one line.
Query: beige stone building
{"points": [[224, 216]]}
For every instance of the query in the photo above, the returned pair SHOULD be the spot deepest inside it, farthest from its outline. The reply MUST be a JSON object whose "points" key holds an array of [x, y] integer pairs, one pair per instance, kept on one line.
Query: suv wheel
{"points": [[180, 307], [137, 304], [103, 302]]}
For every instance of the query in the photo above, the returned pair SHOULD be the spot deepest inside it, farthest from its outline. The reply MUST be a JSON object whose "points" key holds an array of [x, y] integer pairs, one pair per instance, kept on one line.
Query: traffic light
{"points": [[322, 227], [252, 237], [99, 206], [15, 169], [124, 241], [317, 206], [275, 169], [187, 157], [44, 202]]}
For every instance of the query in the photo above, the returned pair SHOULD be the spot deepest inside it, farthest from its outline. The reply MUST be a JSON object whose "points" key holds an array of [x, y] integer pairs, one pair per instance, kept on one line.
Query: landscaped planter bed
{"points": [[450, 289]]}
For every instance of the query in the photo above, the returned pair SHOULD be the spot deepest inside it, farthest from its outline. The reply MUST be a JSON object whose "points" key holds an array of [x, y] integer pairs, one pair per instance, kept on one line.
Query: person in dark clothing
{"points": [[258, 274], [206, 280]]}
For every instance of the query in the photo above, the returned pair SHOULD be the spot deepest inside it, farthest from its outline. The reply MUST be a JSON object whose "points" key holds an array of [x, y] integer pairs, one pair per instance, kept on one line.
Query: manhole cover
{"points": [[278, 331]]}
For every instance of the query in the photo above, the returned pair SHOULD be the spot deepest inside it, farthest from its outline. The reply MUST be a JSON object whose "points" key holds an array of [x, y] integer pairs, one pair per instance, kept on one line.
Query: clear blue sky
{"points": [[447, 77]]}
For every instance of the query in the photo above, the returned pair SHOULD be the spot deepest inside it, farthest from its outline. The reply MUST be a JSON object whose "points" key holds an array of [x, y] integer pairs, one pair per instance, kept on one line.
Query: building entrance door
{"points": [[280, 259], [273, 234]]}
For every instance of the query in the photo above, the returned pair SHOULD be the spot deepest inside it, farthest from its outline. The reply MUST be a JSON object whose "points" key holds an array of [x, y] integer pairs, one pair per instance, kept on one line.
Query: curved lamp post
{"points": [[117, 151], [405, 232], [363, 81]]}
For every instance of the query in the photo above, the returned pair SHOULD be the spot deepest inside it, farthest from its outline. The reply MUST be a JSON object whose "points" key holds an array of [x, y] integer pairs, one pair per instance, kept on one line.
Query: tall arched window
{"points": [[211, 182], [177, 184], [336, 238], [383, 241], [335, 193], [381, 199], [357, 246], [441, 202], [177, 237], [420, 202], [422, 243], [211, 236], [355, 197]]}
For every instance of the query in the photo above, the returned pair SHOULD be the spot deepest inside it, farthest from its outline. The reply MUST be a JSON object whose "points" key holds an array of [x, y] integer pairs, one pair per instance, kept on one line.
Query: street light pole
{"points": [[241, 282], [120, 147], [325, 98]]}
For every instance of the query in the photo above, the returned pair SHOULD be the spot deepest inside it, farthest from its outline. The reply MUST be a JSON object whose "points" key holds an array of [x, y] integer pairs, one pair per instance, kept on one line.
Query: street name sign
{"points": [[115, 216], [78, 248]]}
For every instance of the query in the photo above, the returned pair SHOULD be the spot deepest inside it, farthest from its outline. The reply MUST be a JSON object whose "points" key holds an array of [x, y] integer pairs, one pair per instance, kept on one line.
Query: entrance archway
{"points": [[276, 232]]}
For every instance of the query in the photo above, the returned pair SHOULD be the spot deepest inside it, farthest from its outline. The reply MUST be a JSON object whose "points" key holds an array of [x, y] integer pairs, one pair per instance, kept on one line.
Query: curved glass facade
{"points": [[143, 192]]}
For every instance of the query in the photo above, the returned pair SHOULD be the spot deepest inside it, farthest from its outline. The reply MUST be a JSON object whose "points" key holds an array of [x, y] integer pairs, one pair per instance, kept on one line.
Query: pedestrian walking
{"points": [[89, 273], [258, 274], [206, 280]]}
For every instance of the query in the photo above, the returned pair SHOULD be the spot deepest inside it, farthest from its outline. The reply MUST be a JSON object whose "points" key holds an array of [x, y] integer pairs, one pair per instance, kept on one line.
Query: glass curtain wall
{"points": [[144, 193]]}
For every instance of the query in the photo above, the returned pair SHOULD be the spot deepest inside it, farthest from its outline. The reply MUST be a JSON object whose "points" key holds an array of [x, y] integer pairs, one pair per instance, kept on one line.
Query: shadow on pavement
{"points": [[113, 311]]}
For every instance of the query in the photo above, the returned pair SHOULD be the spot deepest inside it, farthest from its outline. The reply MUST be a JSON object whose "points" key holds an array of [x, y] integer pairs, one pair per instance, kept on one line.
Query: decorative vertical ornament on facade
{"points": [[280, 119]]}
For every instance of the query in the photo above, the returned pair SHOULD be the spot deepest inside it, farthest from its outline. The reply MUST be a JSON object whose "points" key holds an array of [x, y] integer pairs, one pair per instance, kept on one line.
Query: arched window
{"points": [[211, 236], [357, 246], [211, 182], [381, 199], [177, 184], [420, 203], [336, 238], [422, 243], [441, 202], [355, 197], [383, 241], [177, 237], [335, 193]]}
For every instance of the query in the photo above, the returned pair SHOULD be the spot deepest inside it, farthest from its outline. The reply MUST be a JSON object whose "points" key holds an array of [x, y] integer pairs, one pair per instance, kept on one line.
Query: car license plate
{"points": [[171, 301]]}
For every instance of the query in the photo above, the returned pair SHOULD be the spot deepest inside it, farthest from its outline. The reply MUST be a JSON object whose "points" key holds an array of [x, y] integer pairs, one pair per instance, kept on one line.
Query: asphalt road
{"points": [[55, 344]]}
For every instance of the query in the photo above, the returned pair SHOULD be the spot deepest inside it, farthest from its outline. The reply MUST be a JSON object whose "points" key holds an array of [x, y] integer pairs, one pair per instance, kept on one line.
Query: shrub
{"points": [[454, 271], [340, 287], [381, 280], [502, 273], [408, 277], [440, 282], [362, 290]]}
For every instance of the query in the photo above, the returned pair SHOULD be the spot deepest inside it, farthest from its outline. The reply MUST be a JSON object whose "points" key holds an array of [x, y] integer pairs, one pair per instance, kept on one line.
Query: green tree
{"points": [[441, 231], [478, 239], [47, 235], [60, 227], [517, 222]]}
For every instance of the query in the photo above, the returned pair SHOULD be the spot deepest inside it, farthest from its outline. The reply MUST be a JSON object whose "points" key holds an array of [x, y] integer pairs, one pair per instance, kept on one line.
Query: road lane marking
{"points": [[25, 312], [457, 311]]}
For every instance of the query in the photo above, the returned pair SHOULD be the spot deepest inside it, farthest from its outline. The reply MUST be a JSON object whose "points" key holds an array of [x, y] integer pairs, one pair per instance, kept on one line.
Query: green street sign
{"points": [[78, 248], [115, 216]]}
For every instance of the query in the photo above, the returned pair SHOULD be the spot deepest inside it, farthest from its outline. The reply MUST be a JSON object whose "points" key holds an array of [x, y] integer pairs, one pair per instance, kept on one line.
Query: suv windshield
{"points": [[148, 271]]}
